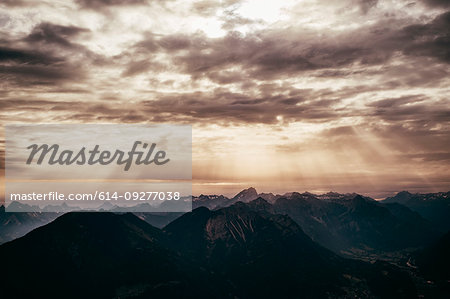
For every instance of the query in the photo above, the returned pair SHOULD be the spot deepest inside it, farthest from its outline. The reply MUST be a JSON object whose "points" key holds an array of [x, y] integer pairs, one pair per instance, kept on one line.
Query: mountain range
{"points": [[346, 223], [435, 207], [251, 245], [232, 252], [96, 255], [15, 225]]}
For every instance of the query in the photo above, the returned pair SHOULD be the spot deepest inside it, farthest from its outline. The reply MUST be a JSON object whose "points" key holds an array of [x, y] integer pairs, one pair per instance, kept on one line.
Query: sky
{"points": [[347, 96]]}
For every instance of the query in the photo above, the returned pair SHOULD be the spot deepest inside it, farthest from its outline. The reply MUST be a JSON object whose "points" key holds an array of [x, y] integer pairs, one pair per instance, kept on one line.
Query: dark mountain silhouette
{"points": [[261, 205], [347, 223], [96, 255], [246, 250], [230, 252], [435, 207], [357, 223], [160, 219], [264, 255], [434, 263], [408, 216], [269, 197], [15, 225]]}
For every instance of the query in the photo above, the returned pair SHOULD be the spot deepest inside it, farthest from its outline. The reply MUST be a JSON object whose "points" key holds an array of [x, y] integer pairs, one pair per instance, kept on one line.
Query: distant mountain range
{"points": [[435, 207], [231, 252], [345, 223]]}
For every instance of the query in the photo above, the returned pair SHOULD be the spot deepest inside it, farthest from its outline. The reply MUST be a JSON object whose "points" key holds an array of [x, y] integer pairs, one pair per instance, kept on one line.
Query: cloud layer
{"points": [[363, 83]]}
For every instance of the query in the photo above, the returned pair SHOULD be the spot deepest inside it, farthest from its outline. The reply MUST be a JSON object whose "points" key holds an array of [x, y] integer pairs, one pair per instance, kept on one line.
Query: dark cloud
{"points": [[174, 42], [206, 56], [271, 54], [54, 34], [228, 77], [151, 45], [79, 111], [255, 61], [46, 56], [93, 4], [141, 66], [422, 73], [437, 3], [210, 7], [27, 56], [224, 107], [13, 3], [366, 5], [424, 112], [434, 157], [2, 161], [432, 39], [36, 74], [205, 8], [396, 102], [13, 104]]}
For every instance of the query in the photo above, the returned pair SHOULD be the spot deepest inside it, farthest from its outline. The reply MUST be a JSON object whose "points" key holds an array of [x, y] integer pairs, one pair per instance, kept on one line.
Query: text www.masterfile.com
{"points": [[97, 195]]}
